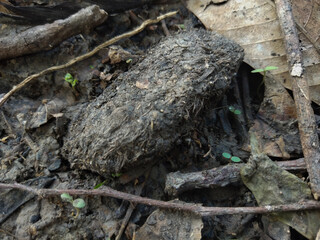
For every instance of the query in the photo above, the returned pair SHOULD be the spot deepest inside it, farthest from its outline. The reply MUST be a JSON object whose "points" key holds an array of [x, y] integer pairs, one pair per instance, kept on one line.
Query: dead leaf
{"points": [[117, 54], [168, 224], [254, 25], [272, 185], [276, 125], [105, 77], [4, 139]]}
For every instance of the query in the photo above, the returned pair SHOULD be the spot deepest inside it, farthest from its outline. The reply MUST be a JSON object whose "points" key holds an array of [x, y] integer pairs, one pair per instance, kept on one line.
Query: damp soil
{"points": [[152, 103]]}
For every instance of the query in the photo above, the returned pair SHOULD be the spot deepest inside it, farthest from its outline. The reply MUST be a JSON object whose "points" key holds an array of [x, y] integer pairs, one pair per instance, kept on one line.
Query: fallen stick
{"points": [[46, 37], [194, 208], [138, 191], [177, 182], [85, 56], [307, 124]]}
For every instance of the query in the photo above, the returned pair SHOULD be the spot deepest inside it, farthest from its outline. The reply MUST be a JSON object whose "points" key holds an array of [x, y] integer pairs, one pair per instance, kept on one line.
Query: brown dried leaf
{"points": [[276, 126]]}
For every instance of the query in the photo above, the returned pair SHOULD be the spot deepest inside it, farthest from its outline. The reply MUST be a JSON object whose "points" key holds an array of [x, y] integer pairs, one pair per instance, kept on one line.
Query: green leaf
{"points": [[235, 159], [129, 60], [74, 82], [231, 108], [258, 70], [237, 112], [68, 77], [66, 197], [116, 175], [226, 155], [268, 68], [79, 203], [100, 184]]}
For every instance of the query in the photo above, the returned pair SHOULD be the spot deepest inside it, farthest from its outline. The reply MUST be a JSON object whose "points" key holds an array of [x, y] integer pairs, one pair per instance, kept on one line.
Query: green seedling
{"points": [[69, 78], [100, 184], [264, 70], [181, 26], [226, 155], [129, 60], [235, 159], [116, 175], [232, 158], [234, 110], [77, 203]]}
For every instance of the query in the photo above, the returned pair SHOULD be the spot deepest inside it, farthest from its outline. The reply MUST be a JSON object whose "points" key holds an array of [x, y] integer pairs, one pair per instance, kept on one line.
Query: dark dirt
{"points": [[165, 111], [144, 112]]}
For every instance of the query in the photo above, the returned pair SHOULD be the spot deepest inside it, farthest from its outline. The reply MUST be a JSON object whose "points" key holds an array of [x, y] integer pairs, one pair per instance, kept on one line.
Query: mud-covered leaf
{"points": [[167, 224], [255, 26], [272, 185], [277, 128]]}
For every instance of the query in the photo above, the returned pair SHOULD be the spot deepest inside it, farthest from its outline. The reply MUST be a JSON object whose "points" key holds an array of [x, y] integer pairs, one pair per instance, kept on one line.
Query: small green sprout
{"points": [[234, 110], [100, 184], [235, 159], [129, 60], [181, 26], [232, 158], [69, 78], [116, 175], [264, 70], [77, 203], [66, 197], [226, 155]]}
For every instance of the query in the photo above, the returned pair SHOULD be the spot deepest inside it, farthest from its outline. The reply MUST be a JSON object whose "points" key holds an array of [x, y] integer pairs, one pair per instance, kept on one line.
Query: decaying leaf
{"points": [[276, 126], [272, 185], [168, 224], [254, 25]]}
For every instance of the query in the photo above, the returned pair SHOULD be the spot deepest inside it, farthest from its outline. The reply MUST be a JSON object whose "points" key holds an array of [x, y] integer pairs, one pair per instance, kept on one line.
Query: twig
{"points": [[194, 208], [177, 183], [131, 207], [8, 233], [165, 28], [307, 124], [46, 37], [85, 56], [306, 34]]}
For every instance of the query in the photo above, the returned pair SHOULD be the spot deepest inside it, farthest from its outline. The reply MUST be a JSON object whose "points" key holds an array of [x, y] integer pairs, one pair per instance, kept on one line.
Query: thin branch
{"points": [[132, 207], [48, 36], [177, 182], [85, 56], [307, 124], [194, 208]]}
